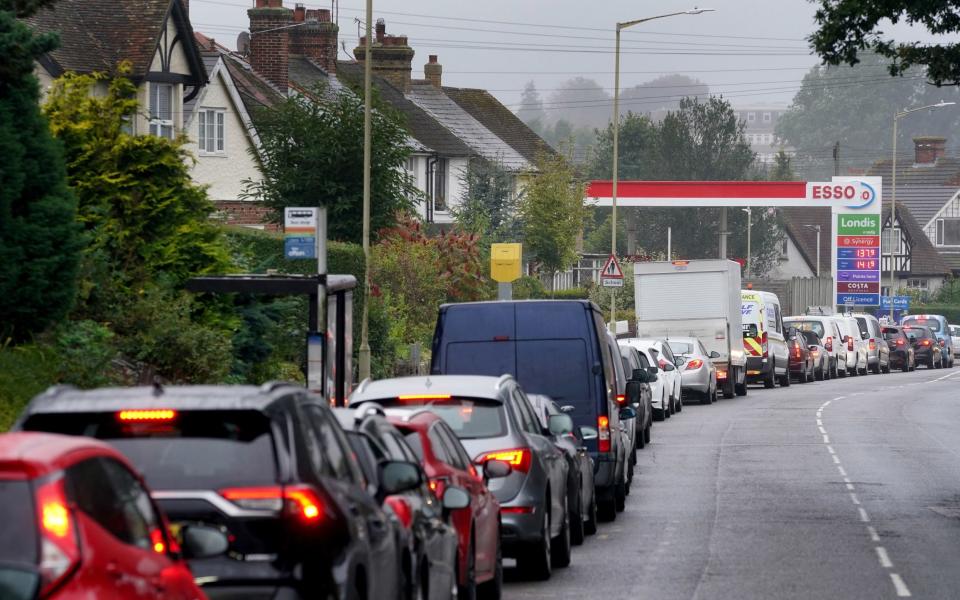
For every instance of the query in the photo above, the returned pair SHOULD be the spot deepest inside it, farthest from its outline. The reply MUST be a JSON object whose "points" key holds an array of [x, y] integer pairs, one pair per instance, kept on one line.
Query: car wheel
{"points": [[647, 434], [577, 533], [659, 414], [607, 506], [785, 379], [728, 391], [673, 406], [680, 402], [620, 496], [876, 368], [819, 375], [770, 380], [590, 525], [560, 546], [536, 563], [493, 589], [740, 389], [468, 590]]}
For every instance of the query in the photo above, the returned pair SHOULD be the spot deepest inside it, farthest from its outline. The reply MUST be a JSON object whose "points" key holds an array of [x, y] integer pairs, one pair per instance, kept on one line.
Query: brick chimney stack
{"points": [[928, 148], [433, 72], [316, 38], [269, 51], [392, 56]]}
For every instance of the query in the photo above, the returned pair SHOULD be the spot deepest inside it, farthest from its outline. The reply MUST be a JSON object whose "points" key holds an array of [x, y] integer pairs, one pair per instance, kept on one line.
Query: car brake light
{"points": [[694, 364], [815, 353], [621, 399], [518, 458], [413, 397], [899, 341], [437, 485], [873, 344], [301, 501], [849, 343], [59, 547], [518, 510], [400, 508], [603, 434], [721, 373], [153, 414], [924, 342], [156, 541], [828, 344], [796, 350]]}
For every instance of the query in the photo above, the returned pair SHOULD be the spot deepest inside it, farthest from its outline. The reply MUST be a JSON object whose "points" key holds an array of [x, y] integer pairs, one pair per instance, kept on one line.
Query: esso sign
{"points": [[833, 191]]}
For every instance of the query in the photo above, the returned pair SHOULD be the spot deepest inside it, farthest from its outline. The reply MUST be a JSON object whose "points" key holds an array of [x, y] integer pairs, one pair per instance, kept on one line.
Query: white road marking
{"points": [[854, 499], [902, 590], [842, 472], [830, 449], [819, 422], [822, 430], [847, 480], [850, 486], [863, 515], [839, 397], [874, 537], [944, 377], [884, 557], [826, 439], [835, 459], [827, 403]]}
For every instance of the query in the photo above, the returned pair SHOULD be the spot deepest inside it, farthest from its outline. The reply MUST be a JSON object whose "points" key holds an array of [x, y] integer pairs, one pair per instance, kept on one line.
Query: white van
{"points": [[763, 341], [856, 346]]}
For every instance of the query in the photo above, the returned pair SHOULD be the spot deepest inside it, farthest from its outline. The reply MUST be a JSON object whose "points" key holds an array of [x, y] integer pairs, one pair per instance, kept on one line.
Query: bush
{"points": [[571, 294], [25, 371], [85, 350], [950, 311], [528, 288]]}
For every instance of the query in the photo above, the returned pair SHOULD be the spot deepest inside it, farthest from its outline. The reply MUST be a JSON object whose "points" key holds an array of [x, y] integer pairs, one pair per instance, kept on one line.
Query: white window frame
{"points": [[940, 236], [886, 238], [441, 173], [212, 143], [159, 126], [751, 117], [767, 117], [917, 284]]}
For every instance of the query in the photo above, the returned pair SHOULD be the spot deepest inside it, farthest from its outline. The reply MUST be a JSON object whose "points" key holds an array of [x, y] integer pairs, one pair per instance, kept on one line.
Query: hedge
{"points": [[950, 311]]}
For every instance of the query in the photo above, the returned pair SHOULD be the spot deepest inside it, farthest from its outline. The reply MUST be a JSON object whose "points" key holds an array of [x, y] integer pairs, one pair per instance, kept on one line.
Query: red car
{"points": [[78, 522], [447, 465], [801, 360]]}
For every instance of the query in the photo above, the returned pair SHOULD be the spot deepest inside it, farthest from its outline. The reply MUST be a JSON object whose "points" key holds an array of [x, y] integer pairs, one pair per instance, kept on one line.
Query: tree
{"points": [[312, 148], [488, 204], [782, 169], [582, 102], [553, 213], [531, 107], [40, 240], [854, 106], [662, 93], [849, 28]]}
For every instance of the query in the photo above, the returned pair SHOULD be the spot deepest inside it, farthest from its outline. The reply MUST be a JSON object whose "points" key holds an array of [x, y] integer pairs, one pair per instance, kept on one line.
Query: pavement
{"points": [[842, 489]]}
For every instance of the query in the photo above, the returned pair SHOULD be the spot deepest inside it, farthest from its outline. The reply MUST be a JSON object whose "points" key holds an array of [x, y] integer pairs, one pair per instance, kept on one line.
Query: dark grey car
{"points": [[494, 420], [581, 498]]}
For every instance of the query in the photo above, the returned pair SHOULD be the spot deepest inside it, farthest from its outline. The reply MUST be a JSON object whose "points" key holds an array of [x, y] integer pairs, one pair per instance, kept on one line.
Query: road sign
{"points": [[300, 232], [611, 269], [899, 302], [612, 283]]}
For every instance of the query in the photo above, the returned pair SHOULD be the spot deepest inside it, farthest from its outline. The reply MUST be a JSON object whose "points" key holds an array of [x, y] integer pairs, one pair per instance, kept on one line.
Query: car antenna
{"points": [[157, 386]]}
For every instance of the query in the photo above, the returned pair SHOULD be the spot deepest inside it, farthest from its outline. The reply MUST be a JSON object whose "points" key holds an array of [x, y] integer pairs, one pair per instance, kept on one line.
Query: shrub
{"points": [[85, 349], [25, 371]]}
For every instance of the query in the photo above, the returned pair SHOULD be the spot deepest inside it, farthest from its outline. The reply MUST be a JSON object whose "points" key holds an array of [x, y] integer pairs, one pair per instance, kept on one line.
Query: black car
{"points": [[427, 543], [902, 354], [270, 466], [581, 498], [926, 350]]}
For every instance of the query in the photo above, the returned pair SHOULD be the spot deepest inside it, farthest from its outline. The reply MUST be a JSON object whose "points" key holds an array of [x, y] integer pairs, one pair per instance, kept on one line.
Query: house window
{"points": [[767, 117], [210, 134], [948, 232], [751, 117], [784, 247], [917, 284], [892, 239], [161, 110], [440, 185]]}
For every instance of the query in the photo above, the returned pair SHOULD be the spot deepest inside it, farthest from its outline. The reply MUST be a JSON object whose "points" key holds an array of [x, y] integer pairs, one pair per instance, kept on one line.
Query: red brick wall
{"points": [[269, 51], [238, 212], [316, 39]]}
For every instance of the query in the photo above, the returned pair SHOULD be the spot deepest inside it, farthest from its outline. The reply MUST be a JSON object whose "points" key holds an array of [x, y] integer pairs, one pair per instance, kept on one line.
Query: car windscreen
{"points": [[680, 347], [192, 450], [18, 527], [470, 418], [933, 324], [814, 326]]}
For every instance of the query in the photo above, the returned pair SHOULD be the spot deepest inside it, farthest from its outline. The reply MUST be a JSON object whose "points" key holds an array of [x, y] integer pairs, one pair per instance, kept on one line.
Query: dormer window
{"points": [[161, 110]]}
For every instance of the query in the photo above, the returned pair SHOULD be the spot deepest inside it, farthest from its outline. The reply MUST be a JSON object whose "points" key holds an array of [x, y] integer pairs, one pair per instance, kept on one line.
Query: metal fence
{"points": [[798, 293]]}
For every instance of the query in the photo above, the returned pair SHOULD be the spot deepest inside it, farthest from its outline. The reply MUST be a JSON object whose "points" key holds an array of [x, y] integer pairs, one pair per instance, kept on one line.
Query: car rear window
{"points": [[890, 334], [916, 332], [194, 450], [814, 326], [680, 347], [933, 324], [18, 527], [468, 417], [557, 368]]}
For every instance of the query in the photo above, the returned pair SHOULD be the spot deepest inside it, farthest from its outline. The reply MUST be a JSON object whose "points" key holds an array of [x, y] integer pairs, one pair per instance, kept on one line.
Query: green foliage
{"points": [[488, 205], [312, 147], [847, 29], [528, 288], [571, 294], [624, 296], [85, 350], [782, 169], [950, 311], [25, 371], [597, 234], [949, 293], [39, 238], [23, 8], [553, 213]]}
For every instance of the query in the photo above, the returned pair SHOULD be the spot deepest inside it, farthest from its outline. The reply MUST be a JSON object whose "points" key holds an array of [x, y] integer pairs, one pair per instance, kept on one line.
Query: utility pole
{"points": [[364, 353], [836, 159]]}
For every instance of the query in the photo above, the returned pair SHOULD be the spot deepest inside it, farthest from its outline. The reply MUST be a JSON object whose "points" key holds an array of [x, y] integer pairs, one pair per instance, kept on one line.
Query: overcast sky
{"points": [[751, 51]]}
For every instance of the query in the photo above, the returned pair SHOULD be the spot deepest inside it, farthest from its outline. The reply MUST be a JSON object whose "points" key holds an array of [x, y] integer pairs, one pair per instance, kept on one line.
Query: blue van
{"points": [[552, 347], [938, 324]]}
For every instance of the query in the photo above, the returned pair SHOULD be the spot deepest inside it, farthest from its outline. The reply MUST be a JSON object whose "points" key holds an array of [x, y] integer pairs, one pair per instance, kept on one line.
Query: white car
{"points": [[659, 353], [658, 391], [828, 330], [955, 334]]}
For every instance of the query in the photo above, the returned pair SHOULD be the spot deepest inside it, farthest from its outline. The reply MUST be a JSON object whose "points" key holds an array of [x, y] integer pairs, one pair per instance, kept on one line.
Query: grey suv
{"points": [[494, 420]]}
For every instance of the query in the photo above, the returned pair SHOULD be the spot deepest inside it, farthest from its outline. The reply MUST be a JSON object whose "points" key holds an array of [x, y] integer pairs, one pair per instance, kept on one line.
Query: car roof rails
{"points": [[503, 379], [272, 386], [363, 385], [368, 409]]}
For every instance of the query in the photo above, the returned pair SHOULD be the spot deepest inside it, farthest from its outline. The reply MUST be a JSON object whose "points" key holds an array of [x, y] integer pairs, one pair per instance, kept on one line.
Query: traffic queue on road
{"points": [[520, 442]]}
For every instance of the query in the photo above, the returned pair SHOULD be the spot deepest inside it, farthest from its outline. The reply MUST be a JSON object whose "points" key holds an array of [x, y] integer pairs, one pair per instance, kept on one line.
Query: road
{"points": [[844, 489]]}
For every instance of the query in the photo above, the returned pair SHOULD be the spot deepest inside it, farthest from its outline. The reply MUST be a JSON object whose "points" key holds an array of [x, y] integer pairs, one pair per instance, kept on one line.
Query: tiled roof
{"points": [[255, 91], [924, 201], [95, 35], [423, 127], [924, 258], [500, 120], [945, 171], [471, 131]]}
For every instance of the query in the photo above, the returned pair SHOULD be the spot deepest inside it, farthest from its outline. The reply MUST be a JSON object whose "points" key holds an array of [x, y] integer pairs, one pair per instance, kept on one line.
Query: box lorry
{"points": [[695, 298]]}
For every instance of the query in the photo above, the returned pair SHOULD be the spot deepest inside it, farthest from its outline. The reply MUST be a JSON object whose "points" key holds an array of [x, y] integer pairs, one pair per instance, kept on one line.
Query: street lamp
{"points": [[817, 229], [749, 211], [893, 200], [363, 355], [616, 130]]}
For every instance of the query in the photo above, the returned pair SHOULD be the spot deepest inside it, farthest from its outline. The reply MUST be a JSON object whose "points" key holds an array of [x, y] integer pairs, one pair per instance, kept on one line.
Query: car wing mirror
{"points": [[398, 476], [653, 371], [668, 367], [714, 354], [588, 433], [627, 412], [560, 424], [496, 469], [203, 541], [567, 409], [640, 375], [455, 498]]}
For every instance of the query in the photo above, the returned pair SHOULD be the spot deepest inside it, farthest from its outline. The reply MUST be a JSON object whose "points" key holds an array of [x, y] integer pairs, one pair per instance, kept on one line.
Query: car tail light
{"points": [[157, 542], [873, 344], [815, 353], [437, 485], [828, 344], [59, 546], [298, 500], [694, 364], [603, 434], [849, 343], [796, 350], [148, 415], [763, 344], [422, 397], [721, 373], [401, 508], [518, 458], [924, 342], [518, 510], [662, 363], [899, 341], [621, 399]]}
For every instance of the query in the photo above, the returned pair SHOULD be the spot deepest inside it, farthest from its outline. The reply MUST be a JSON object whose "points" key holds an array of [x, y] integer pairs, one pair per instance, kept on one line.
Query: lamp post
{"points": [[616, 130], [749, 211], [363, 355], [817, 229], [893, 199]]}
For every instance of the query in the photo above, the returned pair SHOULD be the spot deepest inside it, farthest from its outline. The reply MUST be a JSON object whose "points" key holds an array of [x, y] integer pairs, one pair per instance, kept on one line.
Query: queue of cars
{"points": [[520, 441]]}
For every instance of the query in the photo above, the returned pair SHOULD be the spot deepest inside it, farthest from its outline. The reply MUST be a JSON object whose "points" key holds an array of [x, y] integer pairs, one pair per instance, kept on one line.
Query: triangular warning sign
{"points": [[611, 269]]}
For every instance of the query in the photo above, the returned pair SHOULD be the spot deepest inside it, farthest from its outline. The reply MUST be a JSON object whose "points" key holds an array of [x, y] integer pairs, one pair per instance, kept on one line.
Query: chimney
{"points": [[433, 71], [269, 50], [316, 38], [392, 56], [928, 148]]}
